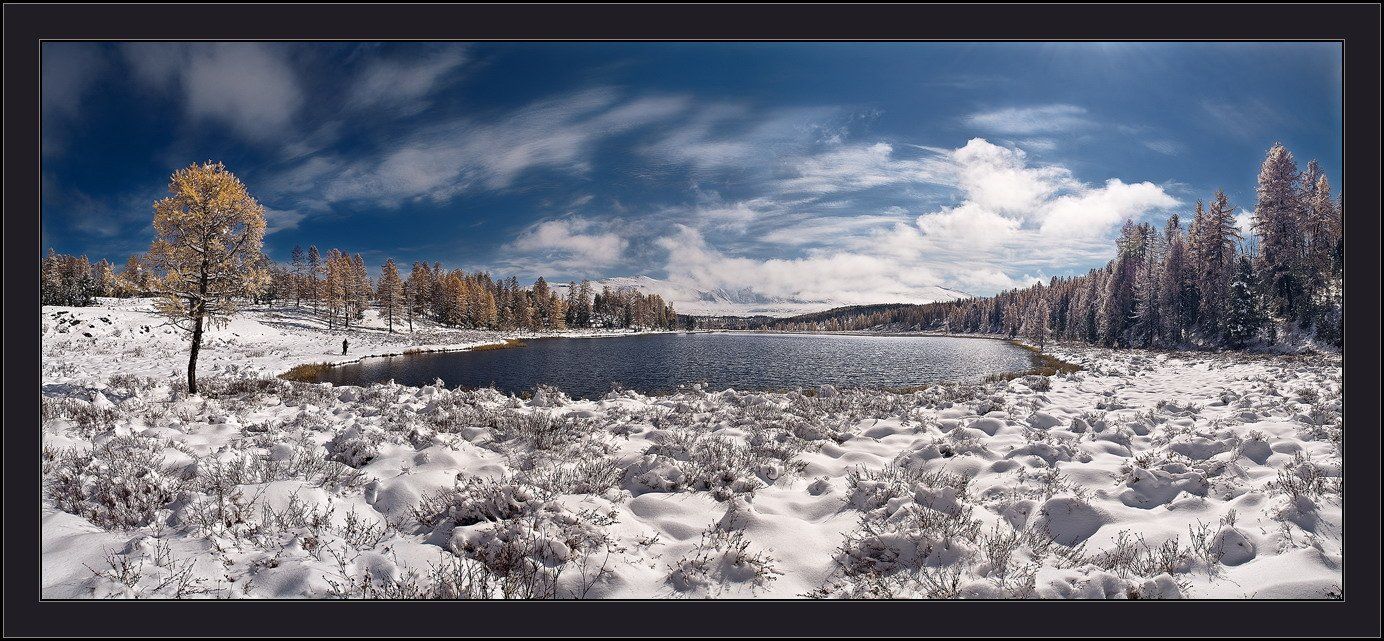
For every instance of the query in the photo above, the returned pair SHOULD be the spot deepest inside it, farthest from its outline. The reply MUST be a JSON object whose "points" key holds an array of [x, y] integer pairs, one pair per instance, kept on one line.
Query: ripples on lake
{"points": [[588, 367]]}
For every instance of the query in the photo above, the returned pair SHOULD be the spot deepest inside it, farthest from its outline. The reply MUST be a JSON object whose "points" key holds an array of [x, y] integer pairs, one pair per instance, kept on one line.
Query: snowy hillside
{"points": [[743, 301]]}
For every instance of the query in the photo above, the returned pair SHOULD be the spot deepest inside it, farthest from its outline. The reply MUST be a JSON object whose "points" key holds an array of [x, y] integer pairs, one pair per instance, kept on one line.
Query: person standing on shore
{"points": [[344, 344]]}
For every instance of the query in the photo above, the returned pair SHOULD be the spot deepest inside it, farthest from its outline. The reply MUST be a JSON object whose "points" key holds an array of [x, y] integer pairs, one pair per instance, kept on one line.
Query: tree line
{"points": [[337, 286], [1202, 285], [75, 281]]}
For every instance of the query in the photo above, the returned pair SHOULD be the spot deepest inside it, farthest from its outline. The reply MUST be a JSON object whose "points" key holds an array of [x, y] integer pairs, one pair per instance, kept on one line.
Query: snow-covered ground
{"points": [[1144, 475]]}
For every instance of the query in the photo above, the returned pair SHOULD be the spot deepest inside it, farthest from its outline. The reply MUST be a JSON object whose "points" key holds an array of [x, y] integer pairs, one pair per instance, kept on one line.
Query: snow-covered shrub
{"points": [[449, 578], [295, 459], [587, 476], [539, 429], [356, 445], [915, 551], [239, 387], [528, 553], [719, 562], [868, 490], [147, 568], [475, 499], [549, 396], [1301, 480], [121, 484], [721, 465], [89, 418], [1133, 557]]}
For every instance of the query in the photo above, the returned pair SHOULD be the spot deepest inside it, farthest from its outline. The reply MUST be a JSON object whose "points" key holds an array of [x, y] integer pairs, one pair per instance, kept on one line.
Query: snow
{"points": [[1144, 475], [743, 301], [127, 337]]}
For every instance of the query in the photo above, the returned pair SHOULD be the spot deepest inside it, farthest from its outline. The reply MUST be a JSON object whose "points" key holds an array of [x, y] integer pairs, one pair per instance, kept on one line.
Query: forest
{"points": [[1206, 285], [336, 286]]}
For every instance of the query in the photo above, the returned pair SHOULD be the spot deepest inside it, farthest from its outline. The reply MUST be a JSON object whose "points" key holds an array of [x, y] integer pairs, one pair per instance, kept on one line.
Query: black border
{"points": [[25, 25]]}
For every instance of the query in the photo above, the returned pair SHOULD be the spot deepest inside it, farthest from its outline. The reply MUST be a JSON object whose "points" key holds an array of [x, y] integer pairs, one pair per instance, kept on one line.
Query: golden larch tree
{"points": [[391, 291], [207, 251]]}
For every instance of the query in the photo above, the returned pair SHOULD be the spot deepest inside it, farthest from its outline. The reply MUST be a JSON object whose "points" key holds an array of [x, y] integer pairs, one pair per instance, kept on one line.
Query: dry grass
{"points": [[509, 342], [306, 373], [1044, 365]]}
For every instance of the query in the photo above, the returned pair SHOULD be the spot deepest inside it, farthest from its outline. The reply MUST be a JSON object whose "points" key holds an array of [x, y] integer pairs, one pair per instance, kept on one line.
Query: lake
{"points": [[588, 367]]}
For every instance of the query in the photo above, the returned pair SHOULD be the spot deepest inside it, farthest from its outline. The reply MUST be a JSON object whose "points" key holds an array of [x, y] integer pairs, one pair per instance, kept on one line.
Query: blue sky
{"points": [[849, 172]]}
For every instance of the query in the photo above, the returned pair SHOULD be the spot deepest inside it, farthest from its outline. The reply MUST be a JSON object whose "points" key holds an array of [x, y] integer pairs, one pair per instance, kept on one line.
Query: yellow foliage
{"points": [[207, 251]]}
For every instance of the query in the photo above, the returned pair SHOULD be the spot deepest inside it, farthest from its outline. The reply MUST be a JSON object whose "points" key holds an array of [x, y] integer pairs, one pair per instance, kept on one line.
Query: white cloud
{"points": [[736, 216], [279, 219], [248, 86], [969, 225], [443, 160], [999, 178], [403, 83], [573, 243], [837, 277], [1038, 144], [715, 137], [69, 69], [1247, 118], [858, 167], [1039, 119], [1165, 147], [1094, 211], [827, 230], [1014, 223]]}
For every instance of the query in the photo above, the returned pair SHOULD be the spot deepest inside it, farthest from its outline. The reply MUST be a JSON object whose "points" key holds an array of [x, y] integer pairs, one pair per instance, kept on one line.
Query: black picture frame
{"points": [[26, 25]]}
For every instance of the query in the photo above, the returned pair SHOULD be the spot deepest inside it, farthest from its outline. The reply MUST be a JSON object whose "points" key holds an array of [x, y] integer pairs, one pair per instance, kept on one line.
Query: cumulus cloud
{"points": [[1039, 119], [1013, 223], [1093, 211], [573, 243], [250, 87], [1000, 178], [837, 277]]}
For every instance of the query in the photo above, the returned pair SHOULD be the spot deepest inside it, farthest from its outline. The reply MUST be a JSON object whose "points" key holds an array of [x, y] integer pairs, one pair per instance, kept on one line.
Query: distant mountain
{"points": [[742, 301]]}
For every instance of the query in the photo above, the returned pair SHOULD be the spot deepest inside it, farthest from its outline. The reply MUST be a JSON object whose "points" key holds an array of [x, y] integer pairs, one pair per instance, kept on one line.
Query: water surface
{"points": [[588, 367]]}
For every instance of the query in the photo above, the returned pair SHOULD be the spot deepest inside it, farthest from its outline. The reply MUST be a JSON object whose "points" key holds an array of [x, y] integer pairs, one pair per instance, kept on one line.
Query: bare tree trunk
{"points": [[192, 359], [199, 314]]}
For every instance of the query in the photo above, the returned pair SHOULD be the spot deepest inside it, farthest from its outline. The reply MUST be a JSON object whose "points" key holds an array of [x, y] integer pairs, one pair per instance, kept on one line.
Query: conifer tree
{"points": [[209, 234], [1038, 324], [1215, 244], [1277, 223], [391, 292], [314, 267], [297, 262], [1244, 319]]}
